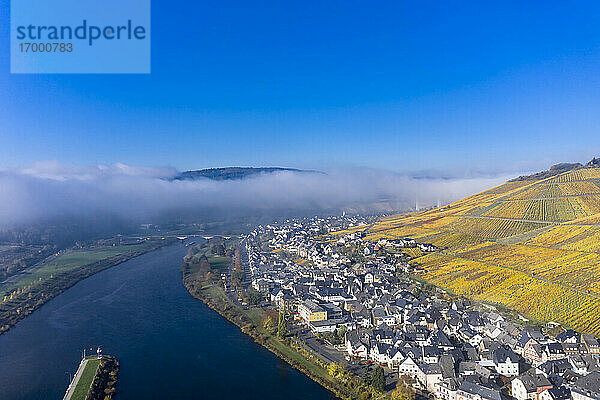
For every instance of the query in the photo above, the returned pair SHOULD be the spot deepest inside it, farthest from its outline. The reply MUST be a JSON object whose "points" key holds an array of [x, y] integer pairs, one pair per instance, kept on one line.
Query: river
{"points": [[170, 345]]}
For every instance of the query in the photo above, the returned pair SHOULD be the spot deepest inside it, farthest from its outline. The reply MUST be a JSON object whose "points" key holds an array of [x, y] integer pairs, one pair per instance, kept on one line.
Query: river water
{"points": [[170, 345]]}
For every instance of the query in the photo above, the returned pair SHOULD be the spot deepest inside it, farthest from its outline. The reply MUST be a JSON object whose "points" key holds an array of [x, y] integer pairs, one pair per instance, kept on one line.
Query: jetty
{"points": [[82, 381]]}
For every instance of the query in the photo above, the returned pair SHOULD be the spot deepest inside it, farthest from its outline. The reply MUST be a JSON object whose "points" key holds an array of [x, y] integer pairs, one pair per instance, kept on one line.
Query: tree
{"points": [[203, 265], [402, 395], [368, 378], [253, 296], [238, 259], [428, 287], [403, 390], [218, 249], [336, 369], [237, 277], [281, 326], [378, 379], [269, 325], [341, 334]]}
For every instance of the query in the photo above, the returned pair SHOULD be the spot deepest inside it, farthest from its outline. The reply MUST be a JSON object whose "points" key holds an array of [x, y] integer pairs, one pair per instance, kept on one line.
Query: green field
{"points": [[87, 377], [217, 263], [70, 260]]}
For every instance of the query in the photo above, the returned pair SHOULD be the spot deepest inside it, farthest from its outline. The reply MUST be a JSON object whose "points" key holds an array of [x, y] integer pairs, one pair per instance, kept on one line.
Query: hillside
{"points": [[530, 244], [230, 173]]}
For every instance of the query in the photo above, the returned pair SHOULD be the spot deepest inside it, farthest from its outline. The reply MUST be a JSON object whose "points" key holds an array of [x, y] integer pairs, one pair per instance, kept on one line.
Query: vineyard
{"points": [[492, 228], [566, 237], [540, 300], [546, 210], [578, 175], [577, 270], [553, 190], [531, 245], [506, 188]]}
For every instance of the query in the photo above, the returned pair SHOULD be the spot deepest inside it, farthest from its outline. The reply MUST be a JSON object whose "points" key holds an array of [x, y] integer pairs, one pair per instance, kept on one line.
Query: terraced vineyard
{"points": [[532, 245]]}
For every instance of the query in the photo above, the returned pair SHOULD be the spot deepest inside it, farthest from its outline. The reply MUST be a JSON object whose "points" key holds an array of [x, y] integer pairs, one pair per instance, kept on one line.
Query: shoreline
{"points": [[309, 365]]}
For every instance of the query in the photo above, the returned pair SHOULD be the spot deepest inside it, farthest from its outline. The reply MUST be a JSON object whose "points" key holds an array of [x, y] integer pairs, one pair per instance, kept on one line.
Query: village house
{"points": [[529, 385], [587, 387]]}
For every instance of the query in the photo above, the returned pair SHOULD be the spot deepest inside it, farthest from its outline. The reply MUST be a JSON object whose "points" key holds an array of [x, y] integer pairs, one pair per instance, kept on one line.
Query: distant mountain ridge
{"points": [[234, 173], [558, 169]]}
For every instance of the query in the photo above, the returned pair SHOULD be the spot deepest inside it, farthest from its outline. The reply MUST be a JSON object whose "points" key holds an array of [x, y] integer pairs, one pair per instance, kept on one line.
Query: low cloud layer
{"points": [[48, 190]]}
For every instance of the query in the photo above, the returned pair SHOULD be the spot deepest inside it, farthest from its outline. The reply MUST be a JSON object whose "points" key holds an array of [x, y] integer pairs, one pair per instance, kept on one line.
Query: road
{"points": [[308, 340], [325, 350], [76, 378]]}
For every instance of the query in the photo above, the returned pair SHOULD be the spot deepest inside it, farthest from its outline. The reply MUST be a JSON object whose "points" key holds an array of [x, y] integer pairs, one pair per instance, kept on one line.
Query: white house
{"points": [[506, 362], [429, 375], [529, 385], [408, 367], [446, 389]]}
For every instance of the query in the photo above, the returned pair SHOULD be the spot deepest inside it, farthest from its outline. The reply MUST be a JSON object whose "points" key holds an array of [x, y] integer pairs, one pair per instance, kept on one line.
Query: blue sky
{"points": [[404, 86]]}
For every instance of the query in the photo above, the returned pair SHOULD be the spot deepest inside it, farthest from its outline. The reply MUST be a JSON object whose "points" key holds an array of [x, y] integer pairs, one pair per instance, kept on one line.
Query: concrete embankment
{"points": [[83, 378]]}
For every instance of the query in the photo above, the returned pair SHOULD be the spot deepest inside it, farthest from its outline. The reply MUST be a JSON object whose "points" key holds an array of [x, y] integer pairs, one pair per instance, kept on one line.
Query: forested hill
{"points": [[230, 173], [557, 170]]}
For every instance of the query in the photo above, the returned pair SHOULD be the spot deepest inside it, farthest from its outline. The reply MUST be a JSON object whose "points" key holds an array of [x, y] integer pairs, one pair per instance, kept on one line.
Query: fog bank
{"points": [[47, 190]]}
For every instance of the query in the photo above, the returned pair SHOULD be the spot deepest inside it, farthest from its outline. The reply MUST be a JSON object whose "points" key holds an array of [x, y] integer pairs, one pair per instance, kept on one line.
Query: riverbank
{"points": [[34, 289], [80, 385], [250, 321], [104, 385]]}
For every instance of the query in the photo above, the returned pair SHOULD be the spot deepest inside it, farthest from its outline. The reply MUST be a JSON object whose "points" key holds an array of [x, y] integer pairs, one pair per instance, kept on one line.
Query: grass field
{"points": [[70, 260], [218, 263], [86, 379], [533, 246]]}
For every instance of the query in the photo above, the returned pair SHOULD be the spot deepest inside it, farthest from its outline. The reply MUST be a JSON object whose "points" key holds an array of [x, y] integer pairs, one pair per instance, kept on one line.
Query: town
{"points": [[363, 305]]}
